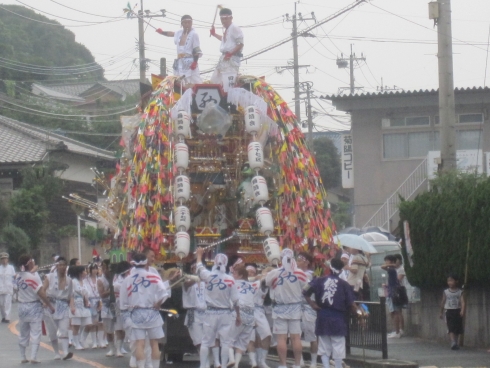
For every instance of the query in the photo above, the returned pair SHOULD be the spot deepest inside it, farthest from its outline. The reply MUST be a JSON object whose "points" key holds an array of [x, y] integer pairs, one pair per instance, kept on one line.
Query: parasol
{"points": [[355, 242]]}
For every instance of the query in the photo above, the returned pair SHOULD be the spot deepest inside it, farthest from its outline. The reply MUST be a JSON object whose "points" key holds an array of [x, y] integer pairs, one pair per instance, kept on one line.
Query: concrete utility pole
{"points": [[141, 37], [307, 86], [296, 66], [343, 62], [441, 12], [141, 44]]}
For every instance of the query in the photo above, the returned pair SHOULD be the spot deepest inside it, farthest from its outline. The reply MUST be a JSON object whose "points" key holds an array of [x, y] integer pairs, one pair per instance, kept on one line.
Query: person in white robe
{"points": [[188, 51]]}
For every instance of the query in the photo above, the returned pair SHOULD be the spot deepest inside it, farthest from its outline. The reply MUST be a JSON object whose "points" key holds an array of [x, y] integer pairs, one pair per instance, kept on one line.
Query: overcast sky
{"points": [[396, 37]]}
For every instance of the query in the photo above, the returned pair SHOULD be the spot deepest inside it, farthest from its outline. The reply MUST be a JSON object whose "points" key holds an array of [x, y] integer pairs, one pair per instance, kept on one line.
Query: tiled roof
{"points": [[402, 93], [21, 142], [75, 89], [57, 95], [124, 88]]}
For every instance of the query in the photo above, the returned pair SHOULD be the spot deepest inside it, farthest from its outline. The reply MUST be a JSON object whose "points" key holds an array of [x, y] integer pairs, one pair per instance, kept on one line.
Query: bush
{"points": [[449, 231], [17, 241]]}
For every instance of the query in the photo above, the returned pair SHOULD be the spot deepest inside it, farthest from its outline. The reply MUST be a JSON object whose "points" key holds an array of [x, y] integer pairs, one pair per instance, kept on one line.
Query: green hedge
{"points": [[444, 222]]}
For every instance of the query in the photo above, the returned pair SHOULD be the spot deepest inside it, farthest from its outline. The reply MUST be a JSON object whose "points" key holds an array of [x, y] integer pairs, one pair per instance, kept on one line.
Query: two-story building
{"points": [[393, 133]]}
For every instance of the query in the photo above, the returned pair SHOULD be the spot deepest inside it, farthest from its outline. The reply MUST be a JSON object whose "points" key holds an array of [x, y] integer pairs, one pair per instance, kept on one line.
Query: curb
{"points": [[379, 363], [357, 361]]}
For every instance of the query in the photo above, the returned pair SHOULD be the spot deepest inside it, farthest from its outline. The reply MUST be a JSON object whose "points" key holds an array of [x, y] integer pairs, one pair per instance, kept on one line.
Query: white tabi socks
{"points": [[155, 363], [225, 356], [93, 336], [261, 357], [238, 357], [252, 356], [140, 363], [118, 348], [314, 358], [215, 351], [203, 356], [56, 349], [100, 337], [111, 346], [34, 349]]}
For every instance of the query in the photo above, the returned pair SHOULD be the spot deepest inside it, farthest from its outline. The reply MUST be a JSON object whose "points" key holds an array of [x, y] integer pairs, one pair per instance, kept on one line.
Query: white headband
{"points": [[335, 271], [140, 263]]}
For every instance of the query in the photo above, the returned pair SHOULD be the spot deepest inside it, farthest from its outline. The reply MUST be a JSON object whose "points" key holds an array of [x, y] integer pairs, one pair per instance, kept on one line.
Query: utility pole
{"points": [[343, 62], [307, 86], [440, 11], [296, 66], [141, 44], [142, 14]]}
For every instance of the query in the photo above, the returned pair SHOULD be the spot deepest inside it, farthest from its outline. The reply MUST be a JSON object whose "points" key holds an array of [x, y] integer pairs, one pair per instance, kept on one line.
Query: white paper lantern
{"points": [[182, 188], [181, 156], [182, 218], [183, 124], [272, 250], [255, 155], [261, 193], [252, 120], [182, 243], [265, 221]]}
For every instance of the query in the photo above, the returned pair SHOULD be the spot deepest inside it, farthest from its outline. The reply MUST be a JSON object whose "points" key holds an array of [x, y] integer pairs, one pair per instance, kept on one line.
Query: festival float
{"points": [[230, 171]]}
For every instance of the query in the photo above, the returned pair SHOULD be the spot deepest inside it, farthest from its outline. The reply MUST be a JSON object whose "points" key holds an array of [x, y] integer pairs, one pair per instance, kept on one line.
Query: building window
{"points": [[465, 119], [408, 121], [418, 144], [468, 139], [409, 145], [470, 118]]}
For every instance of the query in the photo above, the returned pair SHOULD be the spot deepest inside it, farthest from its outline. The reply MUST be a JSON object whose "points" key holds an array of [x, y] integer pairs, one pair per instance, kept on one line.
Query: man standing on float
{"points": [[231, 51], [188, 51]]}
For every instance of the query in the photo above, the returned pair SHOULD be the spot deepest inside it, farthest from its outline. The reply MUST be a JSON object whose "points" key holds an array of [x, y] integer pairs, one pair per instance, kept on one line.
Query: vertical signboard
{"points": [[347, 161]]}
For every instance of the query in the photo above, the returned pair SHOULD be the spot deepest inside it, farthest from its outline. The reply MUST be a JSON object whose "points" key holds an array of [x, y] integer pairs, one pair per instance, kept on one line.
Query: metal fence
{"points": [[370, 332]]}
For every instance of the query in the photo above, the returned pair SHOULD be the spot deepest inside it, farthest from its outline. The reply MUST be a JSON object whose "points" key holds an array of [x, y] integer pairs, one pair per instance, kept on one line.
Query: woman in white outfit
{"points": [[96, 330], [58, 288], [79, 304]]}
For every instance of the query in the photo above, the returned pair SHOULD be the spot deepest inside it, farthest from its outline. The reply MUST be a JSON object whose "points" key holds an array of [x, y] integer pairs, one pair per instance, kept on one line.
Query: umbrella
{"points": [[355, 242], [378, 229], [351, 230], [374, 237]]}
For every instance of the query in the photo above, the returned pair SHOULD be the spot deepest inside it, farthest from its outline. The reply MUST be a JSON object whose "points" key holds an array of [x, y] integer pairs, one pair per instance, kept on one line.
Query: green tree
{"points": [[28, 44], [341, 214], [327, 161], [29, 206], [17, 241]]}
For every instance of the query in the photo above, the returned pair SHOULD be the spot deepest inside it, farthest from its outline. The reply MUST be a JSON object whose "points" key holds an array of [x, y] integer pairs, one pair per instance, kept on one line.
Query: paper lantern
{"points": [[182, 218], [252, 120], [255, 155], [183, 125], [182, 243], [265, 221], [182, 188], [272, 250], [260, 190], [181, 156]]}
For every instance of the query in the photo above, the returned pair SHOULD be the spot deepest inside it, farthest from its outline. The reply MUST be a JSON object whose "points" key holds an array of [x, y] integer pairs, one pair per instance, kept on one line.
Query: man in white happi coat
{"points": [[287, 283], [231, 51], [188, 51], [194, 302], [263, 332], [140, 297], [31, 294], [221, 295], [308, 318], [7, 274], [58, 289]]}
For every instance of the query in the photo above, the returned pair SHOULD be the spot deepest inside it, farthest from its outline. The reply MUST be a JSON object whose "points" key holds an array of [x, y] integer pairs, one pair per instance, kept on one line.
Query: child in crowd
{"points": [[453, 304]]}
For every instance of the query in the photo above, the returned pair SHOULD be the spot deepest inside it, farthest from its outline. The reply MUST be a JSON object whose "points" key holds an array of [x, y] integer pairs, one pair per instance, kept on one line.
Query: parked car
{"points": [[378, 276]]}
